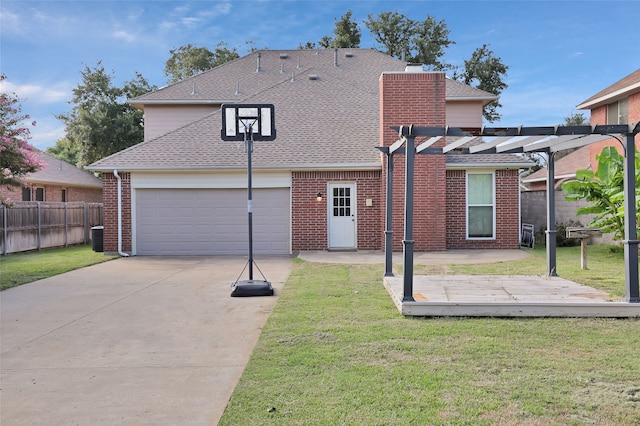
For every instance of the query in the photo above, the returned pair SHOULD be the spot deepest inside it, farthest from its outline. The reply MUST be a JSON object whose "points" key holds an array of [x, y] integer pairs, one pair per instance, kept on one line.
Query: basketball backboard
{"points": [[238, 118]]}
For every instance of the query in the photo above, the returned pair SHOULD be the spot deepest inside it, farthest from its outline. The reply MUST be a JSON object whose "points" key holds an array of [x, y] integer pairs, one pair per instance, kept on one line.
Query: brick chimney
{"points": [[416, 97]]}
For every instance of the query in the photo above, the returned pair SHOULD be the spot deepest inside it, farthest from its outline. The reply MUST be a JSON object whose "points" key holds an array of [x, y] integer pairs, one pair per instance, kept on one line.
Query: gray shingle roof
{"points": [[330, 122], [60, 172]]}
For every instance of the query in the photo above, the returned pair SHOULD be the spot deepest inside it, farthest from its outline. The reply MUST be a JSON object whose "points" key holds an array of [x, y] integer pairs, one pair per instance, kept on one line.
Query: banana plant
{"points": [[604, 190]]}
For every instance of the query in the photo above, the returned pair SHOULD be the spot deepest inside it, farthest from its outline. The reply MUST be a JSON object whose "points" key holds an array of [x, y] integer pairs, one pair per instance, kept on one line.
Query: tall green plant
{"points": [[604, 189]]}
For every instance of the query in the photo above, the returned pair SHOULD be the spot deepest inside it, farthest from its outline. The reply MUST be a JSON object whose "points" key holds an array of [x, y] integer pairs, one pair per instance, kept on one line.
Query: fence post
{"points": [[39, 224], [85, 206], [66, 227], [4, 229]]}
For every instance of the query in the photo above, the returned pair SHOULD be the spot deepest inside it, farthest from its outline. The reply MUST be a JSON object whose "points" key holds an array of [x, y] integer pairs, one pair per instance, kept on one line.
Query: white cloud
{"points": [[124, 36], [46, 133], [37, 93]]}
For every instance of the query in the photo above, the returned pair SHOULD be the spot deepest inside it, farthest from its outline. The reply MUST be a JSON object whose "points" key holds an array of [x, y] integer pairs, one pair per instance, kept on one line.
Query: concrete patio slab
{"points": [[505, 296]]}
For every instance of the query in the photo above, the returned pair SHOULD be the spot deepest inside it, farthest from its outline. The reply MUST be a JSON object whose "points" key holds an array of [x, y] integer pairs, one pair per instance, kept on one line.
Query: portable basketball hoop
{"points": [[249, 123]]}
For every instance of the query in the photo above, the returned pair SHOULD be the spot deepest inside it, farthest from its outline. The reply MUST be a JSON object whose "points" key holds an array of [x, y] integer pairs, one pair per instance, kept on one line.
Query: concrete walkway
{"points": [[457, 257], [133, 341]]}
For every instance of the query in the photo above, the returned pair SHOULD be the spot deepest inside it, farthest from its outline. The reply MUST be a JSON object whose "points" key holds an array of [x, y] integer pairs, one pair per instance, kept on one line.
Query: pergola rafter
{"points": [[504, 140]]}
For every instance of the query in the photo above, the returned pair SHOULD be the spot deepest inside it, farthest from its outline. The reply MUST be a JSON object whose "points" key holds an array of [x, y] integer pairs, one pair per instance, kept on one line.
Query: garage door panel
{"points": [[211, 221]]}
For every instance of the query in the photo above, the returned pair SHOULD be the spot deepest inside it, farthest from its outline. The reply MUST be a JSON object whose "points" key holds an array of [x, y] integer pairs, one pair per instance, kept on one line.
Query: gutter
{"points": [[120, 252]]}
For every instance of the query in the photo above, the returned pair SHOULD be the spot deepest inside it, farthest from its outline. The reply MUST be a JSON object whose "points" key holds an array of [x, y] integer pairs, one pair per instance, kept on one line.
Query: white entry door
{"points": [[342, 215]]}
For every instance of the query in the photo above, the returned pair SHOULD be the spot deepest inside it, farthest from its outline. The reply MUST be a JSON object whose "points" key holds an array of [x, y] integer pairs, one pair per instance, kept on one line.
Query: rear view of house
{"points": [[319, 185]]}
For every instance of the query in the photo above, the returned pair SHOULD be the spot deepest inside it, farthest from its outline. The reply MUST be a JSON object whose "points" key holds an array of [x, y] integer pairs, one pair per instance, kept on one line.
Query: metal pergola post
{"points": [[408, 241], [388, 232], [630, 225], [551, 217]]}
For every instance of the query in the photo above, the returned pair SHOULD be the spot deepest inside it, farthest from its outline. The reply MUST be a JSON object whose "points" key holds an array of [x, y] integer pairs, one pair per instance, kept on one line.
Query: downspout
{"points": [[120, 252]]}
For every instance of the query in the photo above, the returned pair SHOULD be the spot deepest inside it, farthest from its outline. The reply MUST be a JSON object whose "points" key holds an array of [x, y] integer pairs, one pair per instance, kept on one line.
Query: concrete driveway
{"points": [[141, 340]]}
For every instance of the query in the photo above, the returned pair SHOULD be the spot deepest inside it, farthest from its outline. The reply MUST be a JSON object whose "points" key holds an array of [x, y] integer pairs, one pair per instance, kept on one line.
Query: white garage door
{"points": [[211, 221]]}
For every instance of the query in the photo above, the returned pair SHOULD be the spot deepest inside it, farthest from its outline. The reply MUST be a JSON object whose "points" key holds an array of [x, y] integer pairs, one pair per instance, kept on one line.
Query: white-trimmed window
{"points": [[481, 205], [618, 112]]}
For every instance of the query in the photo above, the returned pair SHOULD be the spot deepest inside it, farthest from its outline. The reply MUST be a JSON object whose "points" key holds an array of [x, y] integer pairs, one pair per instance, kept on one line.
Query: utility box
{"points": [[97, 239]]}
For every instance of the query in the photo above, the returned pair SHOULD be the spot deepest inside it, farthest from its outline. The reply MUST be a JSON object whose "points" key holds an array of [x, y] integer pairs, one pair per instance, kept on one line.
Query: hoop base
{"points": [[248, 288]]}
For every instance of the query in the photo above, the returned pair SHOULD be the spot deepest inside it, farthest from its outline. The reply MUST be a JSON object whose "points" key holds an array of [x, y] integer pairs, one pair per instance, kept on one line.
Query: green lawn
{"points": [[22, 268], [336, 351]]}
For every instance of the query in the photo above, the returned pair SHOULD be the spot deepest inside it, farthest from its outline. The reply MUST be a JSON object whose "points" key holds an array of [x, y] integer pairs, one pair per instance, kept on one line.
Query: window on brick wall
{"points": [[39, 194], [481, 206], [64, 195], [618, 112], [26, 193]]}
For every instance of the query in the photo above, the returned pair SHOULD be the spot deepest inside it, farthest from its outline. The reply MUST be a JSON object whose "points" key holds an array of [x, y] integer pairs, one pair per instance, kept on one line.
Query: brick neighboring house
{"points": [[616, 104], [58, 181], [183, 190]]}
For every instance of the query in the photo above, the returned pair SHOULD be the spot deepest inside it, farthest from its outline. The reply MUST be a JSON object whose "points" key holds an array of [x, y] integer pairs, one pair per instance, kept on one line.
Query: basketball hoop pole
{"points": [[248, 145]]}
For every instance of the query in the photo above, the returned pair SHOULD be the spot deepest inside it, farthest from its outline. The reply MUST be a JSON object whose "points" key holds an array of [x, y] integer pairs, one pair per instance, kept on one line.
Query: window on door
{"points": [[341, 202], [481, 205]]}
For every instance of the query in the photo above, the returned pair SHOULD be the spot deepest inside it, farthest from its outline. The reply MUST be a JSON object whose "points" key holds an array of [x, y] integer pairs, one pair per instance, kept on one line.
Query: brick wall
{"points": [[507, 220], [418, 99], [309, 217], [599, 116], [110, 212], [53, 193]]}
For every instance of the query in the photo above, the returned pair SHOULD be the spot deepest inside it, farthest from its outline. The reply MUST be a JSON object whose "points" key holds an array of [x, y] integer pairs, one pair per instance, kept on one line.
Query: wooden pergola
{"points": [[513, 140]]}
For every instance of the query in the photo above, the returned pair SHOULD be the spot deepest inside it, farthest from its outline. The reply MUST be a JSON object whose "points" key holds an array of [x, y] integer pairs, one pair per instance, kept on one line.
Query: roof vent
{"points": [[335, 57], [281, 68], [313, 76], [413, 68], [258, 67], [348, 55], [194, 91], [293, 76], [284, 56], [299, 66], [238, 88]]}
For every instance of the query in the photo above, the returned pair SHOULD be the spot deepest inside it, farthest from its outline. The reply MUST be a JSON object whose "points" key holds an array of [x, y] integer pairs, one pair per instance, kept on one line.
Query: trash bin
{"points": [[97, 238]]}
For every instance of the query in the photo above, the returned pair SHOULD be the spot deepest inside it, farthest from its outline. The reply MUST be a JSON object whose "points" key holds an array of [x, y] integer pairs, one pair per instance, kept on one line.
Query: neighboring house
{"points": [[616, 104], [564, 170], [183, 190], [57, 181]]}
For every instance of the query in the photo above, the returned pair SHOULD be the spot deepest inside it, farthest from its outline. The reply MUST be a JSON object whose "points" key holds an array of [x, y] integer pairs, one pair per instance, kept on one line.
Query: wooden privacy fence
{"points": [[34, 225]]}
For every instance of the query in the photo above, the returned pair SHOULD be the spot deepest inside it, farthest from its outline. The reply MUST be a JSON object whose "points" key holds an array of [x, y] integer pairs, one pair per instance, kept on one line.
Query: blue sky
{"points": [[559, 53]]}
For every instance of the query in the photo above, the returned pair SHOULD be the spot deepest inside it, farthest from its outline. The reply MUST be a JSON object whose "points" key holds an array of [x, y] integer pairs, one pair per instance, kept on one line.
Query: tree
{"points": [[604, 188], [421, 42], [425, 42], [18, 157], [187, 61], [485, 71], [101, 121], [65, 150], [347, 35], [574, 119]]}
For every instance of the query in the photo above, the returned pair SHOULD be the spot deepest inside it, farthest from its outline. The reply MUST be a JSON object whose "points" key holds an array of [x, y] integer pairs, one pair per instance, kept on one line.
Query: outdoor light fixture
{"points": [[319, 196]]}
